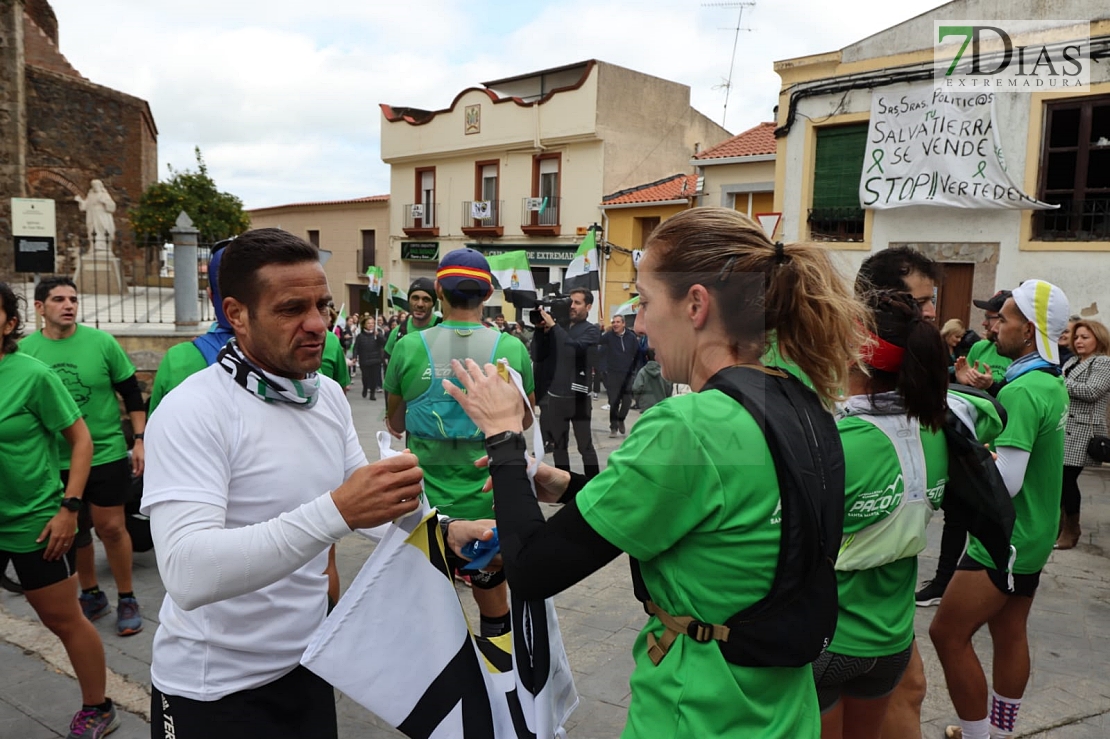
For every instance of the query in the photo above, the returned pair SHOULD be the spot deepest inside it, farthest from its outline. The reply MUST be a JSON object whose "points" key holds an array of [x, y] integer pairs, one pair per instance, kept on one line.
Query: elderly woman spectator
{"points": [[1087, 375]]}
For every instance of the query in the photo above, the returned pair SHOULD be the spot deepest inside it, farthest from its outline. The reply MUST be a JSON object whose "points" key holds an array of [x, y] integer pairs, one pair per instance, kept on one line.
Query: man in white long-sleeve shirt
{"points": [[253, 471], [1030, 459]]}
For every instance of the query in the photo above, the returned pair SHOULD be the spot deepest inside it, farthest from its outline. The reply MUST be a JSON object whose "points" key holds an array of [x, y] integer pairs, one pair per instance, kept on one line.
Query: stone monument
{"points": [[98, 270]]}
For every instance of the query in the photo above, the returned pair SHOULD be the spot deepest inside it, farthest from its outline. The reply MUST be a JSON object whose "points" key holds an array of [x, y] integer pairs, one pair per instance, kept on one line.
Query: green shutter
{"points": [[839, 163]]}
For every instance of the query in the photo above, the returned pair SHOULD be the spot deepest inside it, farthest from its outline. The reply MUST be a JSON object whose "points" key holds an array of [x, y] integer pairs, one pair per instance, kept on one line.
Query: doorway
{"points": [[954, 292]]}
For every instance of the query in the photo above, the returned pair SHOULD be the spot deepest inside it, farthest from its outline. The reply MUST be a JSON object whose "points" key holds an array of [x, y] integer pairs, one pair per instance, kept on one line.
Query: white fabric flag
{"points": [[398, 643], [927, 146]]}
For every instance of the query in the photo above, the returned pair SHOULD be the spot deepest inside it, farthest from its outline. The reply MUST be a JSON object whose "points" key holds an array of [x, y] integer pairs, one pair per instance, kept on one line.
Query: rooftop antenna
{"points": [[727, 85]]}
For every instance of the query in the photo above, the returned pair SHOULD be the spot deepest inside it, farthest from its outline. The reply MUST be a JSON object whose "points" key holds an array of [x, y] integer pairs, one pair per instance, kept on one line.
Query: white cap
{"points": [[1046, 307]]}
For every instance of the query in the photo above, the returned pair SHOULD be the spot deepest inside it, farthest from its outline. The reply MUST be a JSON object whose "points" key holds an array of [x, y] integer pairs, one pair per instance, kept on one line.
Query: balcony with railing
{"points": [[482, 218], [836, 224], [1074, 220], [540, 216], [421, 219]]}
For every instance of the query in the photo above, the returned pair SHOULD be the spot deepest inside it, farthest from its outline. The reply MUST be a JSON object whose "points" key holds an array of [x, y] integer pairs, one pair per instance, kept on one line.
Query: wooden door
{"points": [[954, 292]]}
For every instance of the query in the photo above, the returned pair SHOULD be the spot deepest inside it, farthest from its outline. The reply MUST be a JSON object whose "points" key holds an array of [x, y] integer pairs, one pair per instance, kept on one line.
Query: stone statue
{"points": [[99, 207]]}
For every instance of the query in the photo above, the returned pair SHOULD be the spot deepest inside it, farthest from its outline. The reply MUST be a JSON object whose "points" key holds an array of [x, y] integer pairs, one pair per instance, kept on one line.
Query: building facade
{"points": [[740, 173], [351, 234], [60, 131], [524, 162], [1056, 145]]}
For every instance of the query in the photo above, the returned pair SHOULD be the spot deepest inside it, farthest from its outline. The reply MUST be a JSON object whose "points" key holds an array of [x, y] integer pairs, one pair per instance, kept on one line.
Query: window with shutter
{"points": [[836, 214]]}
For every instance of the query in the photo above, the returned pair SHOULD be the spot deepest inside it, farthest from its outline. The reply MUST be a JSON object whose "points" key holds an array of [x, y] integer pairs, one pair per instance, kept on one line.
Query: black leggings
{"points": [[1069, 498], [371, 377]]}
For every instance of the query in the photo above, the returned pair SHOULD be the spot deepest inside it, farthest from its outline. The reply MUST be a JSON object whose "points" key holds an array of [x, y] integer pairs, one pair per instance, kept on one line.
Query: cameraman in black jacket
{"points": [[561, 357]]}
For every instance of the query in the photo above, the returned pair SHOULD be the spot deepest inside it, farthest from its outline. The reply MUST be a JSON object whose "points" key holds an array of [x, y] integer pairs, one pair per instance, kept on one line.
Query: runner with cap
{"points": [[1030, 453], [984, 367], [443, 438]]}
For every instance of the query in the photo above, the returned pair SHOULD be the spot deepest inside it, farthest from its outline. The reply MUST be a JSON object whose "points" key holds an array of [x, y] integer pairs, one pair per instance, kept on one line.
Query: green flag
{"points": [[375, 275], [582, 271]]}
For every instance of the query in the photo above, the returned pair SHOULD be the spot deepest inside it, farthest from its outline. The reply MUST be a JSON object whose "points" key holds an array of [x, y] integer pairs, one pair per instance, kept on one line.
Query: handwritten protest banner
{"points": [[927, 146]]}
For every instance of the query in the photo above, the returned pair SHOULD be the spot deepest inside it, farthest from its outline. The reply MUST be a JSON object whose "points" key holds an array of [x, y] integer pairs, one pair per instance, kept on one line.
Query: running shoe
{"points": [[930, 594], [953, 732], [94, 605], [612, 433], [93, 724], [128, 619]]}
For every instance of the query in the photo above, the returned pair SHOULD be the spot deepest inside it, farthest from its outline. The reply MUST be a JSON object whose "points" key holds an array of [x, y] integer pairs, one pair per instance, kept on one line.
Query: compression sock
{"points": [[94, 590], [1004, 713], [496, 625], [126, 595], [975, 729]]}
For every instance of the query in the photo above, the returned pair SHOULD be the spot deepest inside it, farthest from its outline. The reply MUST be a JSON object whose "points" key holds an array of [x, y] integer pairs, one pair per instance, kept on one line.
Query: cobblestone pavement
{"points": [[1068, 696]]}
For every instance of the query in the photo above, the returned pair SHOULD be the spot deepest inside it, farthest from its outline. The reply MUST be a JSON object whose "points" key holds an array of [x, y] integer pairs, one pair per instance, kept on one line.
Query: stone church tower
{"points": [[59, 131]]}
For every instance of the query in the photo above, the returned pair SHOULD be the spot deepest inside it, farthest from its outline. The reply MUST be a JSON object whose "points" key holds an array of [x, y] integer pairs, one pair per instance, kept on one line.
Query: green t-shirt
{"points": [[986, 352], [452, 482], [89, 363], [876, 607], [692, 493], [1036, 406], [34, 407], [772, 358], [179, 362], [391, 341], [334, 364]]}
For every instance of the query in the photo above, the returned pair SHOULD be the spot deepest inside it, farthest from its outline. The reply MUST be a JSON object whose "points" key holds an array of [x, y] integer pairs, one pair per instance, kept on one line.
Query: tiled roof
{"points": [[756, 141], [675, 187], [354, 201]]}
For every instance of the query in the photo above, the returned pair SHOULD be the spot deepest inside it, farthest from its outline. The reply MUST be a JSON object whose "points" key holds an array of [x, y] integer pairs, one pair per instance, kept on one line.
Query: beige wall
{"points": [[648, 126], [723, 181], [340, 226]]}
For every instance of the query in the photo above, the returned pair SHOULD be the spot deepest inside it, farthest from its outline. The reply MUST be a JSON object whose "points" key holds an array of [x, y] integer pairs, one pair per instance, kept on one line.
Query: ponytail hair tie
{"points": [[780, 252]]}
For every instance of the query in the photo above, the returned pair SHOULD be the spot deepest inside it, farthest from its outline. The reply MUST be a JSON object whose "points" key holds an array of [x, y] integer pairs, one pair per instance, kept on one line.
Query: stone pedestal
{"points": [[99, 274]]}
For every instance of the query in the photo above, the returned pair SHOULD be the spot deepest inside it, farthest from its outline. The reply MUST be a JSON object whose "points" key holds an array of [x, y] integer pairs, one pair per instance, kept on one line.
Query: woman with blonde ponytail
{"points": [[694, 492]]}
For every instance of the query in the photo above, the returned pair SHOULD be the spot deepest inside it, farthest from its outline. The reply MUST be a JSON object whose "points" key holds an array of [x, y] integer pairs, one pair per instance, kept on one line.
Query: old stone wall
{"points": [[12, 167]]}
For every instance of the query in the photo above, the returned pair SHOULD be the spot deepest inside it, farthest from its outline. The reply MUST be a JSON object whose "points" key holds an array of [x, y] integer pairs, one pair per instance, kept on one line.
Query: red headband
{"points": [[882, 355]]}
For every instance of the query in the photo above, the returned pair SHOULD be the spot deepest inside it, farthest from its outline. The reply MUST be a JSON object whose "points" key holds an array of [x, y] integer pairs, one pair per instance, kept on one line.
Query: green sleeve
{"points": [[119, 364], [397, 375], [52, 404], [391, 341], [179, 362], [339, 371], [513, 349], [1021, 430], [656, 487]]}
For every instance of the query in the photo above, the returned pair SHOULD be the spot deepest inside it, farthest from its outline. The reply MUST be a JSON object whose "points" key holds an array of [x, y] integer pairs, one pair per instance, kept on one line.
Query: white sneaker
{"points": [[605, 407]]}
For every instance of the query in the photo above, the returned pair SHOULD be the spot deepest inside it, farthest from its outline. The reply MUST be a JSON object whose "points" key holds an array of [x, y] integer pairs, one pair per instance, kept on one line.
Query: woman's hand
{"points": [[551, 482], [492, 403], [61, 531]]}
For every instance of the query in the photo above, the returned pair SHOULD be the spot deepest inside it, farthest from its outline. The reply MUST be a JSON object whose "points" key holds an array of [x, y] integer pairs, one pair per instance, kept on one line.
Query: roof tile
{"points": [[756, 141], [675, 187]]}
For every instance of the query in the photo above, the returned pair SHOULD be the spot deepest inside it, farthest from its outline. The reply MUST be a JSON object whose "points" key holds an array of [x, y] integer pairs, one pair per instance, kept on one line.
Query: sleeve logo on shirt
{"points": [[81, 392]]}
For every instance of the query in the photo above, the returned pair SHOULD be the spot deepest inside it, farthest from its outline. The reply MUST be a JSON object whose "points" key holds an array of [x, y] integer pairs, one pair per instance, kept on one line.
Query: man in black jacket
{"points": [[561, 355], [620, 350]]}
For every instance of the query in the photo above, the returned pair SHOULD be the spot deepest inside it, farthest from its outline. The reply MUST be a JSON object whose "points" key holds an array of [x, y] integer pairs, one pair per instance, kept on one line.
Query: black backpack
{"points": [[975, 496], [796, 620]]}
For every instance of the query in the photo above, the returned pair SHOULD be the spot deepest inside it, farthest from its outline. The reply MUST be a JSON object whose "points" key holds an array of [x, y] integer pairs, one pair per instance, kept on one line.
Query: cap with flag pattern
{"points": [[464, 272]]}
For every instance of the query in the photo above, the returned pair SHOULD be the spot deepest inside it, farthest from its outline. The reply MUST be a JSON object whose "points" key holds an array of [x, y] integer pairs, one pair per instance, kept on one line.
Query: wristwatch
{"points": [[138, 436], [72, 504], [505, 439]]}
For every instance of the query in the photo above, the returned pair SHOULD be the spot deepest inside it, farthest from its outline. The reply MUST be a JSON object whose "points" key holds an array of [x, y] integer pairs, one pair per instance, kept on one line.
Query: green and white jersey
{"points": [[986, 351], [34, 408], [89, 363], [1036, 406], [693, 494], [876, 606], [452, 482]]}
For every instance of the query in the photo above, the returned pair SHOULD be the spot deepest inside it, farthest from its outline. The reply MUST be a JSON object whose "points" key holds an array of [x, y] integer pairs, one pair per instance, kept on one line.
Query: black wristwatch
{"points": [[72, 504], [506, 439], [138, 436]]}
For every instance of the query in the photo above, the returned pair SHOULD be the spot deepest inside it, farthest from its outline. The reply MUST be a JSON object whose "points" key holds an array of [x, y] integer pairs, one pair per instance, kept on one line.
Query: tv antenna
{"points": [[727, 85]]}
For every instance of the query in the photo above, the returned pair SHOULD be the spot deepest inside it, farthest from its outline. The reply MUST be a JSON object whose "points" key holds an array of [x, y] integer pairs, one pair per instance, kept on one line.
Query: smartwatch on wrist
{"points": [[72, 504], [138, 436]]}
